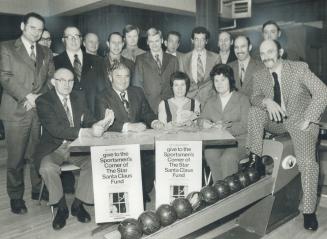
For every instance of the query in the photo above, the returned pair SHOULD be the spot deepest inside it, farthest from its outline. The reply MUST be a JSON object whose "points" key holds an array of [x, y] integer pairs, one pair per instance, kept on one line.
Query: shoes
{"points": [[60, 219], [18, 206], [79, 212], [44, 196], [310, 221]]}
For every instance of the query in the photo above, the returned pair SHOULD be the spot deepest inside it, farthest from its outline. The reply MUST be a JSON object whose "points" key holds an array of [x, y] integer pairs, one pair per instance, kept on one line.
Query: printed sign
{"points": [[178, 169], [117, 182]]}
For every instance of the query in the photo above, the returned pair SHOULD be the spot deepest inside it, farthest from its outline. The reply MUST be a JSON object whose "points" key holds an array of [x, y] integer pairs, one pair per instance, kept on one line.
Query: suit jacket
{"points": [[304, 94], [139, 108], [92, 79], [19, 76], [203, 90], [236, 111], [55, 123], [156, 85], [247, 86], [130, 64]]}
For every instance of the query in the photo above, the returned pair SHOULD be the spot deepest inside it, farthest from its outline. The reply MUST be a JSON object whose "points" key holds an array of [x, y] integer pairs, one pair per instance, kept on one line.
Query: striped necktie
{"points": [[124, 100], [77, 67], [68, 113], [200, 70], [32, 55], [157, 59]]}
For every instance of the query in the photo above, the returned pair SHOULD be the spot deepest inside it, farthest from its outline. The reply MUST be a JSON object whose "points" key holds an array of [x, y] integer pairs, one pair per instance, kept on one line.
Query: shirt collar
{"points": [[61, 97], [27, 44], [245, 63], [157, 53], [71, 55], [118, 93]]}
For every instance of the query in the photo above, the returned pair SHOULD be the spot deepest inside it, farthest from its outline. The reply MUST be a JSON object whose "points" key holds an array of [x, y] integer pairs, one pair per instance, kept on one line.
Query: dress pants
{"points": [[148, 170], [304, 143], [224, 161], [21, 139], [50, 172]]}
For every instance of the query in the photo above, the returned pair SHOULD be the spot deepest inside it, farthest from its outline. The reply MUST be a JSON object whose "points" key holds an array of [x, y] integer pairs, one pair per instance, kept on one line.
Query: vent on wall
{"points": [[234, 9]]}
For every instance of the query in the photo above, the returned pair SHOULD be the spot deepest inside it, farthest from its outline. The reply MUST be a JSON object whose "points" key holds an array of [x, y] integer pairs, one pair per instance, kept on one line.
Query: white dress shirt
{"points": [[71, 56]]}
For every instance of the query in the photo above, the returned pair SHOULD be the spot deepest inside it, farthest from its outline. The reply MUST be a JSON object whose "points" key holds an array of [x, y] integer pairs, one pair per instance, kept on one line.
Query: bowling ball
{"points": [[233, 183], [244, 179], [183, 207], [268, 161], [166, 214], [222, 189], [130, 228], [150, 222], [210, 194], [196, 200], [253, 175]]}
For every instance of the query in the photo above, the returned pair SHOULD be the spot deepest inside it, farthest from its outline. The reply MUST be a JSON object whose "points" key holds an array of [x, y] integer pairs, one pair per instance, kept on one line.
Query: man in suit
{"points": [[115, 44], [131, 37], [197, 64], [91, 43], [88, 69], [132, 114], [25, 68], [172, 43], [288, 97], [64, 114], [225, 43], [245, 66], [153, 70]]}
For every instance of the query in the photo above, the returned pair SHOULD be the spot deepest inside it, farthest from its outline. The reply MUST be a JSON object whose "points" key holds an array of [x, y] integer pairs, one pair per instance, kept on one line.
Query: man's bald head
{"points": [[63, 81], [91, 43]]}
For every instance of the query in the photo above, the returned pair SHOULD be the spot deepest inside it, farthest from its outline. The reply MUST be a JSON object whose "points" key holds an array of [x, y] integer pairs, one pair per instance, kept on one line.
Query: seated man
{"points": [[132, 113], [288, 97], [63, 114]]}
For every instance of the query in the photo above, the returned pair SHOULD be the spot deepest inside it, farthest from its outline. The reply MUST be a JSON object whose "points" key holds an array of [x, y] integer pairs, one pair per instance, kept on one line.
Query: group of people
{"points": [[131, 90]]}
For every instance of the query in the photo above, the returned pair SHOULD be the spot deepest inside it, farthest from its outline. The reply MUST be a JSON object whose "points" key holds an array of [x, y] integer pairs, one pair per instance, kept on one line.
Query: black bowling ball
{"points": [[233, 183], [253, 175], [183, 207], [222, 189], [130, 228], [166, 214], [244, 179], [268, 161], [210, 194], [150, 222], [196, 200]]}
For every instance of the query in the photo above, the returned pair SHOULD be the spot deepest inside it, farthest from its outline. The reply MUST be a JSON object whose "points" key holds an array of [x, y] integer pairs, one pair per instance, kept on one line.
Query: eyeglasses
{"points": [[62, 81], [74, 37]]}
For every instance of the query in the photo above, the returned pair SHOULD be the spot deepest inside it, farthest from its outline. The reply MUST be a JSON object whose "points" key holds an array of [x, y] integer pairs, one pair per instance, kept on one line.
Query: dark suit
{"points": [[92, 79], [52, 150], [203, 90], [156, 85], [20, 76], [139, 111], [246, 87], [231, 56], [305, 98]]}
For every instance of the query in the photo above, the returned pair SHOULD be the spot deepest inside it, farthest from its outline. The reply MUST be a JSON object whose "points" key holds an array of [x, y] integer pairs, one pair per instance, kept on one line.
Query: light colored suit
{"points": [[20, 76], [203, 90], [246, 86], [224, 161], [156, 85], [305, 98]]}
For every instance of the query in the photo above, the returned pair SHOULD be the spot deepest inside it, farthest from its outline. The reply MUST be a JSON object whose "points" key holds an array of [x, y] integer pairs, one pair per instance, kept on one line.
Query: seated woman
{"points": [[179, 110], [227, 109]]}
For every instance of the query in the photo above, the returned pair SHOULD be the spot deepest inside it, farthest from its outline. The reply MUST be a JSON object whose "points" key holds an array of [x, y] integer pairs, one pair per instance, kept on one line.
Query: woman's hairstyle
{"points": [[226, 71], [178, 75]]}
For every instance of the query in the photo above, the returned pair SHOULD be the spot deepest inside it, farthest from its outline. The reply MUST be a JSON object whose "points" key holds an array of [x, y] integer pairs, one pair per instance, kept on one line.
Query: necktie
{"points": [[242, 73], [277, 93], [68, 113], [32, 55], [124, 100], [200, 70], [133, 54], [77, 67], [158, 62]]}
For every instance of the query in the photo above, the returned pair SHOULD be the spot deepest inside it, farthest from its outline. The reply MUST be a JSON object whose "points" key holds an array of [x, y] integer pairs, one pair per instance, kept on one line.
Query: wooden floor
{"points": [[36, 224]]}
